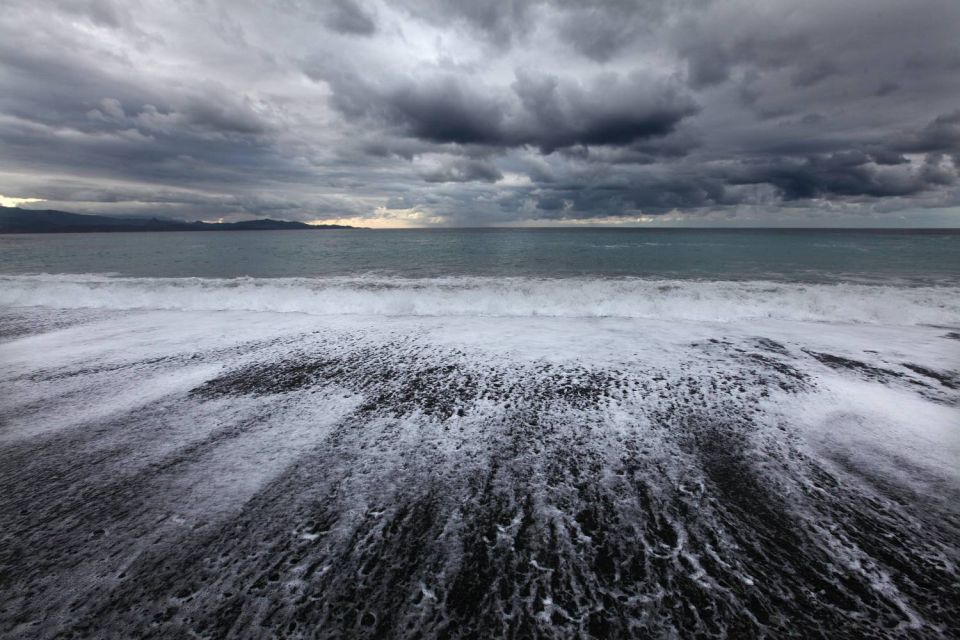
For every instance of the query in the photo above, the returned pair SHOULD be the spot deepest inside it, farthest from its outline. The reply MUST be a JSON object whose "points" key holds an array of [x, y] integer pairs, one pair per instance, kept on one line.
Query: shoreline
{"points": [[340, 475]]}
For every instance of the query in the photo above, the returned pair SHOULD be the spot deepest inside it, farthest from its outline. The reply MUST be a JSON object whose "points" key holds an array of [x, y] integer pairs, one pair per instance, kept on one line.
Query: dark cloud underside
{"points": [[443, 112]]}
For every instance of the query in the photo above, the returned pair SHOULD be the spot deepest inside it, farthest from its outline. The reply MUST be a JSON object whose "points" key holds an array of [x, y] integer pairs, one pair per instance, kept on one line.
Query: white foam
{"points": [[723, 301], [880, 425]]}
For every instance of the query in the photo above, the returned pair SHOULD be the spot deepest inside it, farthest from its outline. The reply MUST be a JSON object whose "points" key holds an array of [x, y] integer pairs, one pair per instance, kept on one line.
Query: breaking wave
{"points": [[722, 301]]}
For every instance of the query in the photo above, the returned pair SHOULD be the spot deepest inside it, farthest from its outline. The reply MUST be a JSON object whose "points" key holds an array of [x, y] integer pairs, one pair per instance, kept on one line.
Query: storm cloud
{"points": [[471, 113], [535, 110]]}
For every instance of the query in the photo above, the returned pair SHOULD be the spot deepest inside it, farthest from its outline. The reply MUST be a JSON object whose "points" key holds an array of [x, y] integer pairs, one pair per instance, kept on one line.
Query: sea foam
{"points": [[712, 301]]}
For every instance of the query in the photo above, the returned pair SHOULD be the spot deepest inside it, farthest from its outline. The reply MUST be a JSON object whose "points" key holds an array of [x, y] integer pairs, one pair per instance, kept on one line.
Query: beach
{"points": [[458, 457]]}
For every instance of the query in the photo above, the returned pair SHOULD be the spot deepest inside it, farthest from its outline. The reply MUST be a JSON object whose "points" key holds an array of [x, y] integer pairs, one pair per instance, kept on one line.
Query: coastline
{"points": [[357, 474]]}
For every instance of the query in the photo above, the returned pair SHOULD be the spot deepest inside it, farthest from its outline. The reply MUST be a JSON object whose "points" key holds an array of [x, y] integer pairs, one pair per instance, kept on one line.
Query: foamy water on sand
{"points": [[469, 456]]}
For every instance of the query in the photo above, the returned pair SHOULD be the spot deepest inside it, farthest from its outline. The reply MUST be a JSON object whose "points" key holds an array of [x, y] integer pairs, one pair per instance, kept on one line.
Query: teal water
{"points": [[822, 256]]}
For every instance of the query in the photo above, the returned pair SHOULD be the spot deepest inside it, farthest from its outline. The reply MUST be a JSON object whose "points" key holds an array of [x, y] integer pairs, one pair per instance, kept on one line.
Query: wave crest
{"points": [[723, 301]]}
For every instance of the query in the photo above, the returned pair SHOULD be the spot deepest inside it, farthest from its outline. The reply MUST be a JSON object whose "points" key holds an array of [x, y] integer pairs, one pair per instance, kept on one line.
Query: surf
{"points": [[588, 297]]}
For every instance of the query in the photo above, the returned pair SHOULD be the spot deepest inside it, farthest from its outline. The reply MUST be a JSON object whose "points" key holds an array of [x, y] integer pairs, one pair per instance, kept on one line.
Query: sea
{"points": [[554, 433]]}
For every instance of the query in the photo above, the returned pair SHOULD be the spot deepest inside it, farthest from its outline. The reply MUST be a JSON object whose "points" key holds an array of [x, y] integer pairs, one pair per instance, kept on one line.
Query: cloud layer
{"points": [[471, 113]]}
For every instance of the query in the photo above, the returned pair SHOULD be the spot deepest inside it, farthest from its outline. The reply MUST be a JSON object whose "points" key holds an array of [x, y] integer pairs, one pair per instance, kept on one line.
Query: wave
{"points": [[724, 301]]}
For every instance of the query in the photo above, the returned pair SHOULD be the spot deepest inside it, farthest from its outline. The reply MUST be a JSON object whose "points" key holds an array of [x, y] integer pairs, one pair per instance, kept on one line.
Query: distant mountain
{"points": [[16, 220]]}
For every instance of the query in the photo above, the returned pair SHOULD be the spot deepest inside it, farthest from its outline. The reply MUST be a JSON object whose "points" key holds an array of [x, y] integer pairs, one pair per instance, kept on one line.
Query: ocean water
{"points": [[797, 255], [493, 433]]}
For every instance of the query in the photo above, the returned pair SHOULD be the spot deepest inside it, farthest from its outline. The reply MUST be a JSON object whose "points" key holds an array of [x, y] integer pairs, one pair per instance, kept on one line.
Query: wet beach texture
{"points": [[179, 474]]}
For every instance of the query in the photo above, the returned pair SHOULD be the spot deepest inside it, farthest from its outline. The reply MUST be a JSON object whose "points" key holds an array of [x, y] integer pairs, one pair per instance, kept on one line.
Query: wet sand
{"points": [[211, 475]]}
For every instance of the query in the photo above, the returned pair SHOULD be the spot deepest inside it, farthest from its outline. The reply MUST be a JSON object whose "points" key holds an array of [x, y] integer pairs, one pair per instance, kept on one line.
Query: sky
{"points": [[470, 113]]}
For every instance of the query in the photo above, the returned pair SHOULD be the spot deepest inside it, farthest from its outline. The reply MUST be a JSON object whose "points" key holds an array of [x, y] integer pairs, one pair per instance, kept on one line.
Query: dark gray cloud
{"points": [[606, 110], [847, 173], [602, 30], [941, 134], [537, 110], [456, 112], [346, 16], [464, 170]]}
